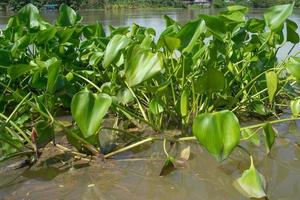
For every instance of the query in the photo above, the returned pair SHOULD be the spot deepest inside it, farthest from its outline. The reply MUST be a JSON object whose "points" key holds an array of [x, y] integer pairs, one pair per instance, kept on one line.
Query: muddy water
{"points": [[135, 174]]}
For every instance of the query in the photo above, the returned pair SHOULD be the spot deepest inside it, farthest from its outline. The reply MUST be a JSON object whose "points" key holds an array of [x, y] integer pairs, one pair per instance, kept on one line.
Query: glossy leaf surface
{"points": [[218, 132], [252, 183], [276, 15], [88, 110], [141, 65]]}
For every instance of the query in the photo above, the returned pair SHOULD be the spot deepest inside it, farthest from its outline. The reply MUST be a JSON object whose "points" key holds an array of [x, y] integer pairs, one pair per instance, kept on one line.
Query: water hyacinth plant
{"points": [[199, 77]]}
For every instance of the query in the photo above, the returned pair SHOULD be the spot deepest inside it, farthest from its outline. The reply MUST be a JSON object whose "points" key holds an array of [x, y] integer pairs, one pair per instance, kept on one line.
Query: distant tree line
{"points": [[17, 4]]}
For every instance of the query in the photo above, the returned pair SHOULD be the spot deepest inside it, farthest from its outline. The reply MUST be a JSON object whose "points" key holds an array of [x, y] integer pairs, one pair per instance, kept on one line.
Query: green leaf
{"points": [[212, 81], [276, 15], [248, 134], [30, 17], [88, 110], [46, 35], [169, 21], [114, 47], [215, 25], [270, 134], [156, 106], [45, 133], [5, 57], [291, 29], [272, 82], [295, 107], [53, 72], [93, 31], [20, 44], [218, 132], [67, 16], [184, 103], [14, 71], [124, 96], [171, 43], [252, 183], [293, 67], [255, 25], [141, 65], [168, 167], [189, 34]]}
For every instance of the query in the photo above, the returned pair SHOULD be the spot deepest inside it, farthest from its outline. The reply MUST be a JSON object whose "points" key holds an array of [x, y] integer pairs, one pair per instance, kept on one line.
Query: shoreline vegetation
{"points": [[202, 78], [134, 4]]}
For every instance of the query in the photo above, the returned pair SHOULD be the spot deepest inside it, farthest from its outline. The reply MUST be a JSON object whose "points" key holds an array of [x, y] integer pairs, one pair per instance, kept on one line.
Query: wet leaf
{"points": [[88, 110], [141, 65], [276, 15], [295, 107], [270, 134], [218, 132], [272, 82], [252, 183], [114, 47]]}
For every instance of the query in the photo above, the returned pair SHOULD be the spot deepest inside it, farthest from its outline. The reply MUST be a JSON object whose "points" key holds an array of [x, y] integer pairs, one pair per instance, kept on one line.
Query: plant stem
{"points": [[19, 130], [190, 138]]}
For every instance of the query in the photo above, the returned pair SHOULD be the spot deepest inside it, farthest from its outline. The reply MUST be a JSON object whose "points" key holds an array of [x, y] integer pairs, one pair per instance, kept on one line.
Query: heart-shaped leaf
{"points": [[252, 183], [291, 29], [218, 132], [276, 15], [88, 110], [114, 47], [141, 65], [67, 16]]}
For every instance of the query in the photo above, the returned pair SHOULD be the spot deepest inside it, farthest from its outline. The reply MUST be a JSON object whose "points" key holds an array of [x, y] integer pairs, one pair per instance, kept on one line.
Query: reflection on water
{"points": [[134, 175]]}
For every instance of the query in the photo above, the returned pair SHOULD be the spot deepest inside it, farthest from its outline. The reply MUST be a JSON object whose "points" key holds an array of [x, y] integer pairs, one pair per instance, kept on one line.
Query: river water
{"points": [[135, 174]]}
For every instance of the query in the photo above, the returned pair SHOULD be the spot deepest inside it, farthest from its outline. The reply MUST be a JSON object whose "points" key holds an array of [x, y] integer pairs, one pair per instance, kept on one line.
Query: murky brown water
{"points": [[135, 174]]}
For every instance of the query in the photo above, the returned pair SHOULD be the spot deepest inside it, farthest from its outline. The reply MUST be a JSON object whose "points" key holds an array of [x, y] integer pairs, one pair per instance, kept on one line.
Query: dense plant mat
{"points": [[200, 77]]}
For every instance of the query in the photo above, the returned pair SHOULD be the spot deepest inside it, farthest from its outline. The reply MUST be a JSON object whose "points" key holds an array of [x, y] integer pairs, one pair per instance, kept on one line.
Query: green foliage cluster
{"points": [[17, 4], [202, 74]]}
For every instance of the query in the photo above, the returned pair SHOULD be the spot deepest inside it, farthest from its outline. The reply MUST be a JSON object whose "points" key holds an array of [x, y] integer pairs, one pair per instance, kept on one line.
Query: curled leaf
{"points": [[252, 183]]}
